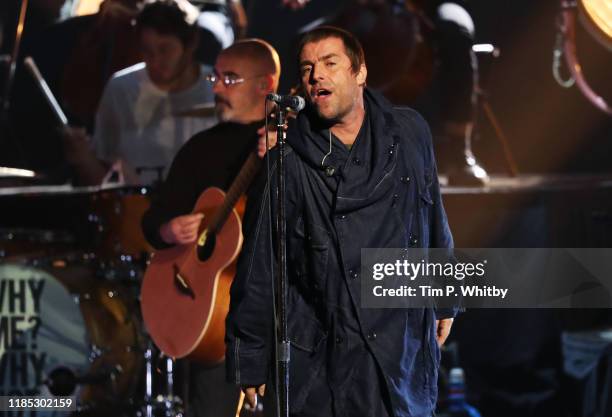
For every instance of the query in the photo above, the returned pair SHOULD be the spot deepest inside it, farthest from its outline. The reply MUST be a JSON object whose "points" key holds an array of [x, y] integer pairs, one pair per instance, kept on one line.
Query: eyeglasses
{"points": [[228, 80]]}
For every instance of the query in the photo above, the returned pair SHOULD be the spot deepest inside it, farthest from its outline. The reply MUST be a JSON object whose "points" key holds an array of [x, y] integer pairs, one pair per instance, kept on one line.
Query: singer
{"points": [[360, 174]]}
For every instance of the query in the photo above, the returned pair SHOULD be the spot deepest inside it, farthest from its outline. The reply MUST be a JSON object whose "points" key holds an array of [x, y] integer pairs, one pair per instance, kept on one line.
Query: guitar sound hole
{"points": [[206, 251]]}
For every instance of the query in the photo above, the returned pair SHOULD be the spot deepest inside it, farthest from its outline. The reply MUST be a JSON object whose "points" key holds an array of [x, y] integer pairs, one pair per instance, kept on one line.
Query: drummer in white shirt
{"points": [[141, 121]]}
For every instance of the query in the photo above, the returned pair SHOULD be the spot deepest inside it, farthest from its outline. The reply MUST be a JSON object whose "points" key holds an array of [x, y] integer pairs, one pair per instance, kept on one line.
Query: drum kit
{"points": [[71, 260]]}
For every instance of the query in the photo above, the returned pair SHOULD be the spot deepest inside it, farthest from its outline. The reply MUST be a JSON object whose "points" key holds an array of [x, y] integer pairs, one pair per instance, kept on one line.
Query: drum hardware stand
{"points": [[13, 58], [469, 171], [472, 171], [170, 404], [148, 409], [480, 98], [7, 132], [499, 133]]}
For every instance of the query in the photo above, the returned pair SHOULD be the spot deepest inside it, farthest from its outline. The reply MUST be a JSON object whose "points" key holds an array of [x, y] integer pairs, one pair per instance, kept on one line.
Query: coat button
{"points": [[354, 274], [330, 170], [372, 336], [405, 180], [339, 340], [341, 216], [356, 161]]}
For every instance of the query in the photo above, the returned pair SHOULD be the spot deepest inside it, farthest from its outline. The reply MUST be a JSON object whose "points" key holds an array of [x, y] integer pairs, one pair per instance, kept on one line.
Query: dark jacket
{"points": [[382, 193], [211, 158]]}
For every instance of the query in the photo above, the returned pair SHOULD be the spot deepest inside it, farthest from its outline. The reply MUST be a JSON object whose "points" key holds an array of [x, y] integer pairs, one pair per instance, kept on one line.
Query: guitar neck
{"points": [[238, 187]]}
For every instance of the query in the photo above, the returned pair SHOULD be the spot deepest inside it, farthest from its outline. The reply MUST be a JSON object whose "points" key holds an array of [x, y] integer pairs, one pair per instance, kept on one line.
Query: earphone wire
{"points": [[330, 149]]}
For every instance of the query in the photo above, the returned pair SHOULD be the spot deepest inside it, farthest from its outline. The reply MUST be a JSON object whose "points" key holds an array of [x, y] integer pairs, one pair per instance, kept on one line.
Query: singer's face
{"points": [[328, 79], [240, 102]]}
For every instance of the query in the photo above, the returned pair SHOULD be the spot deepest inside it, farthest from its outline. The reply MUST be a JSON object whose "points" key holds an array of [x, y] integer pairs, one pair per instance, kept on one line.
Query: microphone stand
{"points": [[283, 349]]}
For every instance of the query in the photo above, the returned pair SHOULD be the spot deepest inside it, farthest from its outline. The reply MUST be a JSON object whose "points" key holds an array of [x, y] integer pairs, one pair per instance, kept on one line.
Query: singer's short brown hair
{"points": [[352, 46]]}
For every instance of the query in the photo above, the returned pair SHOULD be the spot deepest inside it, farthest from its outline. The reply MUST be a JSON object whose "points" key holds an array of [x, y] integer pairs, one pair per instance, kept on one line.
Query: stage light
{"points": [[485, 48], [596, 16], [85, 7], [16, 172]]}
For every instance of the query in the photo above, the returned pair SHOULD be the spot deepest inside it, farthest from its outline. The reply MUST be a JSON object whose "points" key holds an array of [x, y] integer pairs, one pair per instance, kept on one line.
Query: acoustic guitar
{"points": [[185, 290]]}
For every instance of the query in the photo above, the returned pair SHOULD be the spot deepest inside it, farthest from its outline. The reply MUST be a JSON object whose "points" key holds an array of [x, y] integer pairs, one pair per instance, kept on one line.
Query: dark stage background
{"points": [[513, 359]]}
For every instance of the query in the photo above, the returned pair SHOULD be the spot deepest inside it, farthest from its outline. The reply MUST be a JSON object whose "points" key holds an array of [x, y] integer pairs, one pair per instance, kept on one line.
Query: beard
{"points": [[330, 118], [184, 64], [223, 109]]}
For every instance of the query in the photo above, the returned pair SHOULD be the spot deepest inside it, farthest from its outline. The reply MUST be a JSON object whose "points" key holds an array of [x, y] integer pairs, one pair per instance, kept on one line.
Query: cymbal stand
{"points": [[473, 168], [171, 404], [148, 400], [154, 402], [7, 137], [10, 76], [472, 172], [480, 99], [167, 404]]}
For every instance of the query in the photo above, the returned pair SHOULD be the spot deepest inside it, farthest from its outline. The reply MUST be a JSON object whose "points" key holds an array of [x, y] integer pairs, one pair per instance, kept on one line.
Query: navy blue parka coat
{"points": [[381, 193]]}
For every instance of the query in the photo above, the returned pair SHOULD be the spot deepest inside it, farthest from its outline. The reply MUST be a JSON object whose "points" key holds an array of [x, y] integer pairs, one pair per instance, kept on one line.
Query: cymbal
{"points": [[68, 189], [8, 172], [201, 110]]}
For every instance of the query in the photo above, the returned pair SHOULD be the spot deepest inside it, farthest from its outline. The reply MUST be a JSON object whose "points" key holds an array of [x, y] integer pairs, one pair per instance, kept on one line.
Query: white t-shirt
{"points": [[138, 122]]}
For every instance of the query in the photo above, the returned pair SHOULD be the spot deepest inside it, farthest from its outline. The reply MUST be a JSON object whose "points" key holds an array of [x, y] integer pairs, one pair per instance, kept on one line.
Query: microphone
{"points": [[295, 103]]}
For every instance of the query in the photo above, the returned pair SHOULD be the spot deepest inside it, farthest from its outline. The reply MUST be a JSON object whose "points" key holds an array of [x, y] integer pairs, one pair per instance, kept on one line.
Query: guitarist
{"points": [[243, 75]]}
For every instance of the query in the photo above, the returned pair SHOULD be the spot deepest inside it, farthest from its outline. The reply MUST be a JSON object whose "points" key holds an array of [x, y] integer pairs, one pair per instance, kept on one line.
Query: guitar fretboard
{"points": [[238, 187]]}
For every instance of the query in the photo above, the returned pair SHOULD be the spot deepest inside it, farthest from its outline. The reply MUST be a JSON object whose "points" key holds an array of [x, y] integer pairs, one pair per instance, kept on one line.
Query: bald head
{"points": [[256, 65], [258, 55]]}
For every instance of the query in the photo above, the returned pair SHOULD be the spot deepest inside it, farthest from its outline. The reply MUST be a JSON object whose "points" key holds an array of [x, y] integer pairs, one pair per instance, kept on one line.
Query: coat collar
{"points": [[361, 174]]}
